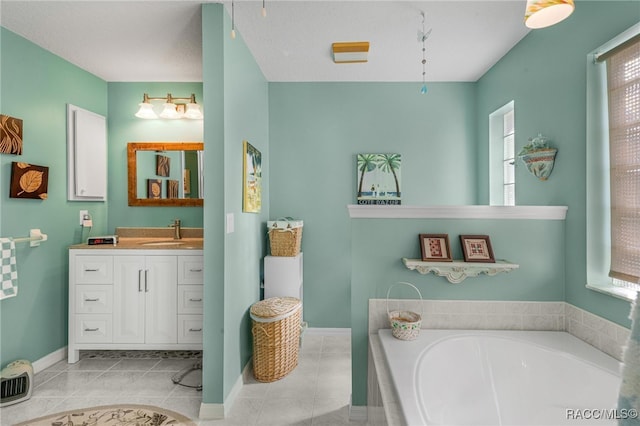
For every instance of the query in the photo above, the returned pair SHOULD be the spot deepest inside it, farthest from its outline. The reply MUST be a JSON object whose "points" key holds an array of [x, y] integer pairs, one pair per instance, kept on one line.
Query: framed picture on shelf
{"points": [[435, 248], [477, 248]]}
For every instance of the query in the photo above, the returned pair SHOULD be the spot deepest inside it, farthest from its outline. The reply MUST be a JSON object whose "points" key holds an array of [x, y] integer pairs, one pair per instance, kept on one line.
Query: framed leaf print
{"points": [[163, 165], [29, 181], [154, 188], [172, 188], [10, 135], [252, 178]]}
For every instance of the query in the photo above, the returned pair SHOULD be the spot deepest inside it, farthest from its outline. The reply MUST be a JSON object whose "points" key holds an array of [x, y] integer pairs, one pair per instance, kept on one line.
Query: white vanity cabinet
{"points": [[144, 291], [134, 299]]}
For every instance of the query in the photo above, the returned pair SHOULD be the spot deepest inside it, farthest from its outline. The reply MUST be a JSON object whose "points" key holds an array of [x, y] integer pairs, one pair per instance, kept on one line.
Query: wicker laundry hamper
{"points": [[285, 237], [276, 337]]}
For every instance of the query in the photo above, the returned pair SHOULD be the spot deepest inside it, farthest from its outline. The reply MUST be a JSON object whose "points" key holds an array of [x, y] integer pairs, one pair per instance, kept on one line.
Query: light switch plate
{"points": [[230, 223]]}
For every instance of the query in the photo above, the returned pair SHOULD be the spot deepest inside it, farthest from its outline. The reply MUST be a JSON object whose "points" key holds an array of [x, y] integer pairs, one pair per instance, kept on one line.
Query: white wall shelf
{"points": [[457, 271], [457, 212]]}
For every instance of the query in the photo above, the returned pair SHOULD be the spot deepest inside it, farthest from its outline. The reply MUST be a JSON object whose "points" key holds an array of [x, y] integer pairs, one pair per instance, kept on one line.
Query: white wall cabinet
{"points": [[86, 155], [134, 299]]}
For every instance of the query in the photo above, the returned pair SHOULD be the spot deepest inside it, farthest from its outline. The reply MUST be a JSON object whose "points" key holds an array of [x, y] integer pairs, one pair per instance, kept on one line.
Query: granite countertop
{"points": [[152, 239]]}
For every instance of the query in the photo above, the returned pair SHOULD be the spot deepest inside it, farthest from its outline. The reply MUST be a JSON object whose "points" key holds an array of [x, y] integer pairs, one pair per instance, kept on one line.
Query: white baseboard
{"points": [[358, 413], [210, 411], [328, 331], [49, 360]]}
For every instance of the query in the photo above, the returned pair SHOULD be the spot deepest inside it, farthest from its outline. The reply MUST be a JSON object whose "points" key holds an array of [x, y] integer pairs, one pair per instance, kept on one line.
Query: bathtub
{"points": [[486, 377]]}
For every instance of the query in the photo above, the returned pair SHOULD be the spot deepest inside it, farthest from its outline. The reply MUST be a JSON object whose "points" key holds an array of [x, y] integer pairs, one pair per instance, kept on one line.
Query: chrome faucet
{"points": [[176, 227]]}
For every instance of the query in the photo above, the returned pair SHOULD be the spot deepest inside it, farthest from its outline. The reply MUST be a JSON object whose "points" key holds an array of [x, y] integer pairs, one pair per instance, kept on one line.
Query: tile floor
{"points": [[317, 392]]}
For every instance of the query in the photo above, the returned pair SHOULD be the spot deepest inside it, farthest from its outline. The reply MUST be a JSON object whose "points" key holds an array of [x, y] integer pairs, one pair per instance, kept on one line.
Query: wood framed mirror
{"points": [[167, 174]]}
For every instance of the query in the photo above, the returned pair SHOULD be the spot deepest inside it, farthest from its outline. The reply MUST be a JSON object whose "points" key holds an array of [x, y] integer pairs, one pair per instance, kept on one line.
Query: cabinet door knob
{"points": [[146, 281], [91, 300], [91, 270], [195, 300], [195, 329], [91, 329], [195, 270], [139, 280]]}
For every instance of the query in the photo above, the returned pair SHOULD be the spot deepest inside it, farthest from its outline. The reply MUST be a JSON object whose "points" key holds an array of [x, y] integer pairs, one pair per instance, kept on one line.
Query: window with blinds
{"points": [[623, 82]]}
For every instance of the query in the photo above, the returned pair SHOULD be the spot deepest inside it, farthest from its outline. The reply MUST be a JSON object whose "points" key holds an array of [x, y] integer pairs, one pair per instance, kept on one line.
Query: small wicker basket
{"points": [[276, 337], [405, 325], [285, 238]]}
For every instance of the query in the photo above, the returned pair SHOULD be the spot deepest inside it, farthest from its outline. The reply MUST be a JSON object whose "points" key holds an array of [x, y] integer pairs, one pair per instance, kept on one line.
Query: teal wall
{"points": [[538, 246], [246, 112], [213, 46], [316, 131], [36, 87], [236, 89], [309, 135], [125, 127], [545, 74]]}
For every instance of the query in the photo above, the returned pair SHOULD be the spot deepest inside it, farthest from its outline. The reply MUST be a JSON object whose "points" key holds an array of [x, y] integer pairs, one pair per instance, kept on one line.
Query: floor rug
{"points": [[113, 415]]}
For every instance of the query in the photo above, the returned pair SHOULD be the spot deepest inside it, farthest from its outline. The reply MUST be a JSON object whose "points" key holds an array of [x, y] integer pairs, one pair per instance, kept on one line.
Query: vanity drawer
{"points": [[94, 299], [190, 270], [94, 269], [189, 328], [94, 328], [190, 299]]}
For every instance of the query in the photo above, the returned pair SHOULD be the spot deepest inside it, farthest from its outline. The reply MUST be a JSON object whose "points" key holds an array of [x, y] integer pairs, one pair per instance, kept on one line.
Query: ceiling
{"points": [[157, 40]]}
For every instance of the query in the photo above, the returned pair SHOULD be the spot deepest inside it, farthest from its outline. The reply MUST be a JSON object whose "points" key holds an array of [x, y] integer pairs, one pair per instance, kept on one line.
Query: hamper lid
{"points": [[274, 308], [284, 224]]}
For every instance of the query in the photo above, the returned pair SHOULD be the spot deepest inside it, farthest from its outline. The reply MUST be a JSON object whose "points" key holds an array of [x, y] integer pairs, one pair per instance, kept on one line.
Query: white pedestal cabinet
{"points": [[134, 299]]}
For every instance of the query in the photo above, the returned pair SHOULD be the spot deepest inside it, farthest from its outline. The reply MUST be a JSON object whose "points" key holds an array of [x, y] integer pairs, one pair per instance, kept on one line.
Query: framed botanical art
{"points": [[172, 188], [10, 135], [29, 181], [435, 248], [154, 188], [252, 179], [477, 248], [163, 165]]}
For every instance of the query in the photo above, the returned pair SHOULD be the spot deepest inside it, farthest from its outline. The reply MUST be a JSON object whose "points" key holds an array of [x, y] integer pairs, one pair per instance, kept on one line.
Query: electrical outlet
{"points": [[83, 213]]}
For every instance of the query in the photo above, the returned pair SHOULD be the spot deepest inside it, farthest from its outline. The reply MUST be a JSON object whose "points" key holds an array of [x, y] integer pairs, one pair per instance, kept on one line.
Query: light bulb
{"points": [[233, 34], [264, 12], [170, 112], [193, 112], [146, 111]]}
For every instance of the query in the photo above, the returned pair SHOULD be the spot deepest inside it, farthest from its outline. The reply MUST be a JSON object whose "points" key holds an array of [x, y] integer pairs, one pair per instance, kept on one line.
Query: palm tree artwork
{"points": [[379, 179], [252, 171]]}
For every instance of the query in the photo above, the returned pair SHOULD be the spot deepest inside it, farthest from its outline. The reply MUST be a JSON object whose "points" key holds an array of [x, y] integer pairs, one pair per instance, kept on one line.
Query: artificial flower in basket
{"points": [[538, 156]]}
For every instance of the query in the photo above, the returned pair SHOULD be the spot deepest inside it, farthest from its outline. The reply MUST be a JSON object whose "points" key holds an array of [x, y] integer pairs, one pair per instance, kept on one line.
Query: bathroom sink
{"points": [[163, 243]]}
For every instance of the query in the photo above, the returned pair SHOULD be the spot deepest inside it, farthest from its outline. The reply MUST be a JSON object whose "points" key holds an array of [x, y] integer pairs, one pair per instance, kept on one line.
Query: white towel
{"points": [[9, 268], [629, 398]]}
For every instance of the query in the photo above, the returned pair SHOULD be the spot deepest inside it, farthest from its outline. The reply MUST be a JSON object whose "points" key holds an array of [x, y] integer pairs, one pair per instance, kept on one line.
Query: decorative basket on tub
{"points": [[276, 337], [405, 325], [285, 237]]}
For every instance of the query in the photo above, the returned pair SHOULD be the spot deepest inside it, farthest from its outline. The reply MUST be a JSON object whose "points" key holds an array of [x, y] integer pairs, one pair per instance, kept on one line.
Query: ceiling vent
{"points": [[350, 52]]}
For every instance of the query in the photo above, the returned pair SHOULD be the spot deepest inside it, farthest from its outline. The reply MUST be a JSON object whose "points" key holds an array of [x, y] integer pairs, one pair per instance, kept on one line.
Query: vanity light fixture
{"points": [[170, 109], [544, 13]]}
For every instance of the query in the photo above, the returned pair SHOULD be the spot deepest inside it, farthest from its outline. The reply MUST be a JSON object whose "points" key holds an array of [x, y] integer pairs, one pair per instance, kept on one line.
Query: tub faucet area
{"points": [[176, 227]]}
